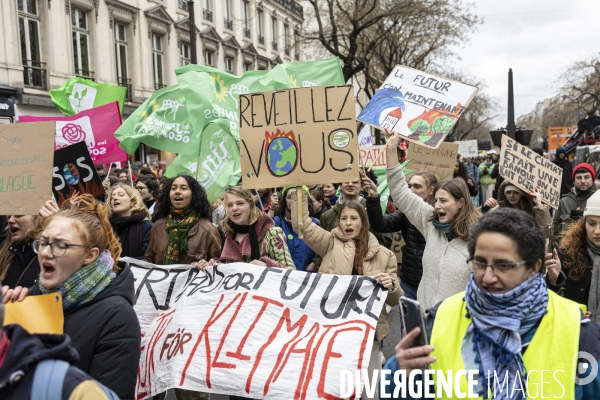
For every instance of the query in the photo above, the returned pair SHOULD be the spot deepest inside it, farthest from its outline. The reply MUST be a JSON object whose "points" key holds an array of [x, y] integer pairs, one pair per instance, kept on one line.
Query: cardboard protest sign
{"points": [[369, 154], [37, 314], [298, 137], [467, 148], [96, 127], [440, 161], [74, 171], [419, 106], [262, 333], [26, 154], [528, 170]]}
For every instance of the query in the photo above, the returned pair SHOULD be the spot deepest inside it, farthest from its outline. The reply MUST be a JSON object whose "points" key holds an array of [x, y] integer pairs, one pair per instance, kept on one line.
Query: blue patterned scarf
{"points": [[86, 283], [498, 322]]}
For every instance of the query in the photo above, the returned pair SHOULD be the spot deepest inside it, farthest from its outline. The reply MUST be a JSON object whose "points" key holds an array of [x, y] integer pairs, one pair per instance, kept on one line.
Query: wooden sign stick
{"points": [[360, 159], [300, 196], [379, 155]]}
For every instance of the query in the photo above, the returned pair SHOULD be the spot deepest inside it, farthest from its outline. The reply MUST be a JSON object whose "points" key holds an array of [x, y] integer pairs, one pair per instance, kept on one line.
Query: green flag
{"points": [[162, 122], [79, 94], [305, 73], [218, 165], [382, 185]]}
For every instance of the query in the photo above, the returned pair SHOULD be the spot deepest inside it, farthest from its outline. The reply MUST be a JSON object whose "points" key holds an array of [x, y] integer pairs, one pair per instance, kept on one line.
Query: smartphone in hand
{"points": [[413, 318]]}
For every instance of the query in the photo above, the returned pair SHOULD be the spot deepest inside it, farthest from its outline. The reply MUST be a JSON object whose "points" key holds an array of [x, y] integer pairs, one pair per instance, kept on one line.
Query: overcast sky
{"points": [[538, 39]]}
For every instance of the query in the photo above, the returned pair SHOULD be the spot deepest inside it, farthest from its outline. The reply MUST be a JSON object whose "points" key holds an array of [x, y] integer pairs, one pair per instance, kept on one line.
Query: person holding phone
{"points": [[506, 322], [183, 234], [445, 226], [350, 249]]}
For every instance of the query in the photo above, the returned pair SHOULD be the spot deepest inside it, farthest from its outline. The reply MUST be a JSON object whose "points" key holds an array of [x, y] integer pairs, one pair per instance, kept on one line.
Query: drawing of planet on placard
{"points": [[281, 153], [71, 174]]}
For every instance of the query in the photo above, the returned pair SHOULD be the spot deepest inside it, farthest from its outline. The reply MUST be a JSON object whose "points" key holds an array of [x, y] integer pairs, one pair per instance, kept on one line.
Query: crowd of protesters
{"points": [[505, 286]]}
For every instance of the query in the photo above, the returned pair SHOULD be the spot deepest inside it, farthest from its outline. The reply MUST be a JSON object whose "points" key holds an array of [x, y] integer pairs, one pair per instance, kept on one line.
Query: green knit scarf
{"points": [[178, 224], [86, 283]]}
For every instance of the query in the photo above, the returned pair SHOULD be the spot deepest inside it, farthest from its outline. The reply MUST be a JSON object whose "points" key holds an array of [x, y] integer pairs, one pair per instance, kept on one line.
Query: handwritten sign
{"points": [[26, 155], [368, 154], [527, 170], [467, 148], [74, 171], [419, 106], [262, 333], [298, 137], [440, 161]]}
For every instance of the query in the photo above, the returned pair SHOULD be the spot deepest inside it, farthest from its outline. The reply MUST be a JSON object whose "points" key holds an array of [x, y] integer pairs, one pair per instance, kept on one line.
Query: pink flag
{"points": [[96, 127]]}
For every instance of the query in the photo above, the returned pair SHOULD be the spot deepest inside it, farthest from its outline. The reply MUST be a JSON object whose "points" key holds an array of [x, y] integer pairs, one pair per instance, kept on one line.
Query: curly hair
{"points": [[7, 256], [467, 215], [137, 204], [573, 244], [199, 202], [91, 220], [520, 227]]}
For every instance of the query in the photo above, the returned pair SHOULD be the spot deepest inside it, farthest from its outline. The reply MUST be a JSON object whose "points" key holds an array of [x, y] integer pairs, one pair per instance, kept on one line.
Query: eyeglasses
{"points": [[58, 249], [140, 188], [500, 268]]}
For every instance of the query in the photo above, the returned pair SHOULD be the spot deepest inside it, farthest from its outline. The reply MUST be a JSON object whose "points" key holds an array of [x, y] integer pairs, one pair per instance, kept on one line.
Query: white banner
{"points": [[467, 148], [244, 330]]}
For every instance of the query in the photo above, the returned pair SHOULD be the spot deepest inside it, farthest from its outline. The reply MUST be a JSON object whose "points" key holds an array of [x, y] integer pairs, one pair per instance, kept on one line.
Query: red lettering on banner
{"points": [[160, 330], [330, 354], [216, 363], [238, 353], [289, 327], [204, 334]]}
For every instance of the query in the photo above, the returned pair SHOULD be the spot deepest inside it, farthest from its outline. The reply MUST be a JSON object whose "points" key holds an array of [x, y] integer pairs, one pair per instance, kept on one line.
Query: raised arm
{"points": [[412, 206], [317, 238]]}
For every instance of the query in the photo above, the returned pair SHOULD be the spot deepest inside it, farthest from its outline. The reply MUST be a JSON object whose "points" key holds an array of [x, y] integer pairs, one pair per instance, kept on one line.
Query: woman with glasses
{"points": [[445, 226], [129, 219], [77, 252], [520, 339], [183, 234], [147, 186], [303, 256]]}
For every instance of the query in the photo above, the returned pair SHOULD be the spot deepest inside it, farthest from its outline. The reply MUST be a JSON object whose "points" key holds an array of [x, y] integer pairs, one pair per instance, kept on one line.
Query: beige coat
{"points": [[338, 257]]}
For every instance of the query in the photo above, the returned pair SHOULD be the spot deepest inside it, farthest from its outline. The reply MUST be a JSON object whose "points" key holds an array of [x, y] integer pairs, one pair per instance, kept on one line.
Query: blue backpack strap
{"points": [[109, 393], [48, 380]]}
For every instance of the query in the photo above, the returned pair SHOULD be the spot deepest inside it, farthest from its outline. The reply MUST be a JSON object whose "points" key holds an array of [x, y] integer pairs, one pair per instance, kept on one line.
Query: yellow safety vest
{"points": [[552, 349]]}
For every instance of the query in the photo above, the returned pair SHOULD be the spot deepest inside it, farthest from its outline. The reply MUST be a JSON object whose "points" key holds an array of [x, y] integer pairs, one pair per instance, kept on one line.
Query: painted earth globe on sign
{"points": [[282, 156]]}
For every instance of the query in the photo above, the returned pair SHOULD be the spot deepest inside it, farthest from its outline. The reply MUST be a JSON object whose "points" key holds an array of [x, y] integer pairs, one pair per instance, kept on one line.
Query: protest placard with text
{"points": [[370, 154], [467, 148], [261, 333], [419, 106], [74, 172], [298, 137], [26, 156], [528, 170], [440, 161]]}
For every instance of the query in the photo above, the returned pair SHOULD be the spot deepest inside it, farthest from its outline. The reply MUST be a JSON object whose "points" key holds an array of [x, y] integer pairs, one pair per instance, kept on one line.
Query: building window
{"points": [[246, 10], [157, 61], [229, 62], [34, 72], [247, 67], [228, 24], [182, 4], [261, 33], [286, 39], [296, 46], [207, 10], [274, 32], [121, 58], [81, 51], [208, 58], [185, 54]]}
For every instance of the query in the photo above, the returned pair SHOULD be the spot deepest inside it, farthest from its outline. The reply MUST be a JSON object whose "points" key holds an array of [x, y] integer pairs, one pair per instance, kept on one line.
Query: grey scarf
{"points": [[594, 299]]}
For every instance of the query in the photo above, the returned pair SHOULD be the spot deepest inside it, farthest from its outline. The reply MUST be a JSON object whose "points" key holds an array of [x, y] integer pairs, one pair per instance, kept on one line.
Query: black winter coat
{"points": [[25, 268], [412, 252], [24, 354], [578, 291], [567, 176], [107, 335]]}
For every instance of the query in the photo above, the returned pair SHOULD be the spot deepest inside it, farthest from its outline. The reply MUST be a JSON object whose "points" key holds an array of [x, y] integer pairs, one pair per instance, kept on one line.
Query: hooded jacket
{"points": [[24, 354], [338, 252], [570, 202], [412, 251], [106, 334], [567, 167], [541, 214]]}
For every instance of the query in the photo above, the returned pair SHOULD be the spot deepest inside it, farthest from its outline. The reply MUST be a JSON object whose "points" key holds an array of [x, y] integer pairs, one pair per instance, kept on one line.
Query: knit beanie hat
{"points": [[593, 205], [584, 166], [512, 188], [285, 189]]}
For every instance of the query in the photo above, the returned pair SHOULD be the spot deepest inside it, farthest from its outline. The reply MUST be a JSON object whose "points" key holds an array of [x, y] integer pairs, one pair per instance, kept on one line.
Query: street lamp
{"points": [[192, 22]]}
